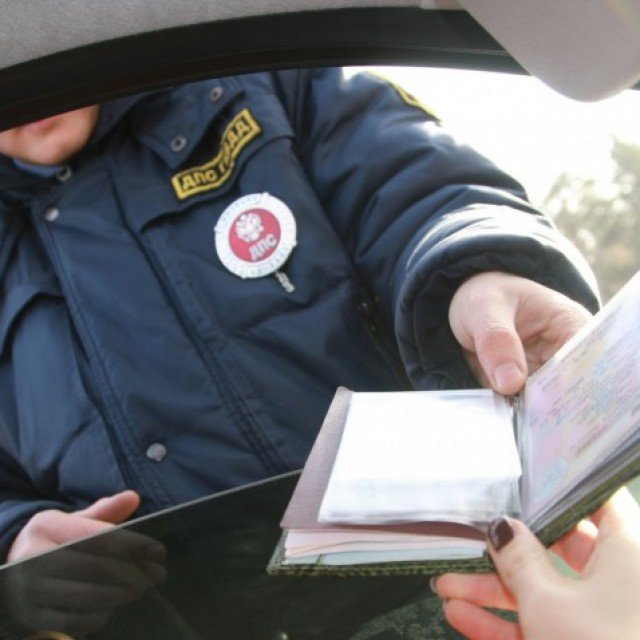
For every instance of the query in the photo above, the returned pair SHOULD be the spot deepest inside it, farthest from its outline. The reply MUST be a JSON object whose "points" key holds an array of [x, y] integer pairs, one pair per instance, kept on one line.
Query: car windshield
{"points": [[578, 162]]}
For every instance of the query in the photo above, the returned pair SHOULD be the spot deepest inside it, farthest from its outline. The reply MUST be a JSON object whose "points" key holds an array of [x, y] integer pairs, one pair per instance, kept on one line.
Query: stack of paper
{"points": [[416, 456], [363, 433]]}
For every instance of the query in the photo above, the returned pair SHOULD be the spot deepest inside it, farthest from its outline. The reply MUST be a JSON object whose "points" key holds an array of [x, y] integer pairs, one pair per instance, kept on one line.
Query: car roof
{"points": [[585, 49], [62, 55]]}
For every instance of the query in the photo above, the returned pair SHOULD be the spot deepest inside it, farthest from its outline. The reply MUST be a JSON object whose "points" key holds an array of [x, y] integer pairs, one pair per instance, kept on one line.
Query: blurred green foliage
{"points": [[603, 223]]}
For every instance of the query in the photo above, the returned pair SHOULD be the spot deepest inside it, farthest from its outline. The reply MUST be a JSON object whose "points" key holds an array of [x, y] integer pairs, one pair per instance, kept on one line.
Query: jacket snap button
{"points": [[215, 94], [51, 214], [178, 143], [64, 173], [156, 452]]}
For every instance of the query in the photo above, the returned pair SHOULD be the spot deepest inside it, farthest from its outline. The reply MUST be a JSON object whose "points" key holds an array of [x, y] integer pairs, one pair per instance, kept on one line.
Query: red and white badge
{"points": [[255, 235]]}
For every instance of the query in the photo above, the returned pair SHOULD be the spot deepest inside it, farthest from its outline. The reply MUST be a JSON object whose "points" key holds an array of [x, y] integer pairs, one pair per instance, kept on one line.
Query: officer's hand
{"points": [[509, 326], [51, 528], [600, 605], [80, 587]]}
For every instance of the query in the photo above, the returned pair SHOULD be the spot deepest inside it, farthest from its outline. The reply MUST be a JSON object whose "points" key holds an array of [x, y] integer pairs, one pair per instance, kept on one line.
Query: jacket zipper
{"points": [[368, 312]]}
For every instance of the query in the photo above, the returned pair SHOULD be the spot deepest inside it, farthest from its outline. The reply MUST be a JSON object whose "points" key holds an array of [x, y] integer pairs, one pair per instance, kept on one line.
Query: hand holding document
{"points": [[406, 482], [582, 419]]}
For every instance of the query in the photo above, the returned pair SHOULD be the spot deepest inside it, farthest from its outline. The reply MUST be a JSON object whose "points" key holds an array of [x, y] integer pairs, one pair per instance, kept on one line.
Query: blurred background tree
{"points": [[605, 227]]}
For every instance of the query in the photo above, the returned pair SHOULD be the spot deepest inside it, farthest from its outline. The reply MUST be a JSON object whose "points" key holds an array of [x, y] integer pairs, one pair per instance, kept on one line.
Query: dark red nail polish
{"points": [[500, 533]]}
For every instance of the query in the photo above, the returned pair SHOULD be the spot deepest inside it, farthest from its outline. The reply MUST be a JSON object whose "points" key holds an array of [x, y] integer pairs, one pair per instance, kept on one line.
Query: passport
{"points": [[407, 482]]}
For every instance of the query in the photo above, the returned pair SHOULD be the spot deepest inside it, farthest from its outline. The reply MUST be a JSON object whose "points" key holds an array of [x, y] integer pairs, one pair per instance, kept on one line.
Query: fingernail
{"points": [[444, 606], [432, 584], [508, 376], [500, 533]]}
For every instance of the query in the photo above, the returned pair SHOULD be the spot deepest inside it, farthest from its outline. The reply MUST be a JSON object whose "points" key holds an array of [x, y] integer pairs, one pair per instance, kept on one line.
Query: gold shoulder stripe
{"points": [[213, 174], [406, 97]]}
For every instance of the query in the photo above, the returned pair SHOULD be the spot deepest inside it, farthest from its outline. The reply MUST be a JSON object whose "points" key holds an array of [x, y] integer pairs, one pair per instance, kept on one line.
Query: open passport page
{"points": [[407, 482]]}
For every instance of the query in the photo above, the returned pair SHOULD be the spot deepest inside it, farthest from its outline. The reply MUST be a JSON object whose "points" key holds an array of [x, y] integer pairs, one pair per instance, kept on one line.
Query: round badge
{"points": [[255, 235]]}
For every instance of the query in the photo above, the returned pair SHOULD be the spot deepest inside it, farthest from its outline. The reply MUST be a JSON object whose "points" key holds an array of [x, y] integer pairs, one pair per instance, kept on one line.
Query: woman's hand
{"points": [[601, 604]]}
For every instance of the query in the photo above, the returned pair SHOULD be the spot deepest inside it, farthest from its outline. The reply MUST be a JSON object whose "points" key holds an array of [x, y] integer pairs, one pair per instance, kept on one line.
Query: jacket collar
{"points": [[181, 112], [162, 116], [17, 185], [181, 116]]}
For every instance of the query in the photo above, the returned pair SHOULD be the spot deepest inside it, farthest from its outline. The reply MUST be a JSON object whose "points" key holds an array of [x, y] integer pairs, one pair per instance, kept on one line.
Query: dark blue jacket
{"points": [[121, 330]]}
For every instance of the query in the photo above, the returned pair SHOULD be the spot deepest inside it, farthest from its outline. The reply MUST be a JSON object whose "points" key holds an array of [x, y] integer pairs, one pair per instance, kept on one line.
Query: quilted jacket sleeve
{"points": [[19, 498], [419, 212]]}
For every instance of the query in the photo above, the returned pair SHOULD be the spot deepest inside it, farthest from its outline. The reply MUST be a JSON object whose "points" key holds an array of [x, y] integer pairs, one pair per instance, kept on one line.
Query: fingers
{"points": [[74, 564], [510, 326], [620, 511], [499, 350], [482, 589], [52, 528], [482, 317], [126, 545], [577, 546], [477, 624], [64, 593], [521, 561], [548, 601], [62, 528], [114, 509], [49, 529]]}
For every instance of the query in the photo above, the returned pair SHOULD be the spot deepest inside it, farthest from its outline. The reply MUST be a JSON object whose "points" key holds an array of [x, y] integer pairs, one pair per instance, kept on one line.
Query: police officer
{"points": [[187, 275]]}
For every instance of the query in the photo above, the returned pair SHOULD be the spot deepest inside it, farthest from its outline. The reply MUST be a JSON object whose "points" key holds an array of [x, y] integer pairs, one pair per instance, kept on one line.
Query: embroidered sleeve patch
{"points": [[406, 97], [213, 174]]}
